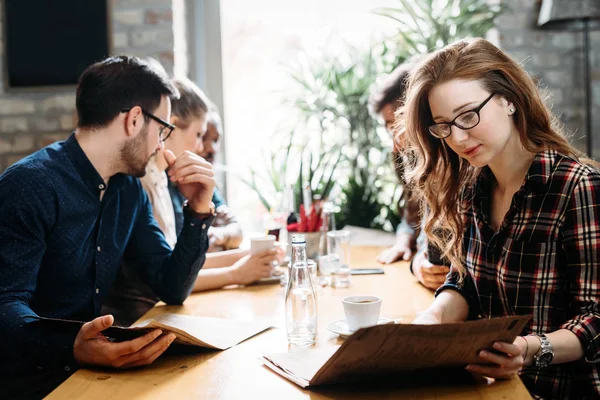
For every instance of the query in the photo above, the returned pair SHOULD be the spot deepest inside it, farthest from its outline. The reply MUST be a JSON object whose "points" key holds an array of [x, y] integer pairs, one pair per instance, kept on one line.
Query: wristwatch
{"points": [[544, 356], [187, 211]]}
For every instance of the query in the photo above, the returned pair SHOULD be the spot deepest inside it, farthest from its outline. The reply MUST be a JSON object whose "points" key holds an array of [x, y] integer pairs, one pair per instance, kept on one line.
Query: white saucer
{"points": [[341, 327]]}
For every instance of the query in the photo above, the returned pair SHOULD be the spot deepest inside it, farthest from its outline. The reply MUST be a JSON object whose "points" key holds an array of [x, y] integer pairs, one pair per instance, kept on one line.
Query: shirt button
{"points": [[203, 226], [99, 249], [68, 369], [97, 290], [101, 186]]}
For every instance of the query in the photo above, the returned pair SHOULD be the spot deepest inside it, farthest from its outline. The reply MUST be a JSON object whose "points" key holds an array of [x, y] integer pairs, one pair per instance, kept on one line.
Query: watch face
{"points": [[544, 360]]}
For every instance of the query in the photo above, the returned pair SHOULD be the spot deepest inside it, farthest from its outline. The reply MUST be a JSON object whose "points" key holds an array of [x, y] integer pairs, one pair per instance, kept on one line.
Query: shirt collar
{"points": [[541, 168], [537, 177], [86, 170], [538, 174]]}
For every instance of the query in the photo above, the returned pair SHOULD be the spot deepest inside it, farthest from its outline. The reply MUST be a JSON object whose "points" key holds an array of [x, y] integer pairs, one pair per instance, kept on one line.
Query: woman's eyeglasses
{"points": [[466, 120]]}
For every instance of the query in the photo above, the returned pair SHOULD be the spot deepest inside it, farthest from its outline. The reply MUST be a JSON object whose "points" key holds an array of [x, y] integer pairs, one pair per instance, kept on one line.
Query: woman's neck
{"points": [[510, 167]]}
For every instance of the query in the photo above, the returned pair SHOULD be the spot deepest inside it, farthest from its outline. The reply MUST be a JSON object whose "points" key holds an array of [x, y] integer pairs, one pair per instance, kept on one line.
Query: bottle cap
{"points": [[298, 239]]}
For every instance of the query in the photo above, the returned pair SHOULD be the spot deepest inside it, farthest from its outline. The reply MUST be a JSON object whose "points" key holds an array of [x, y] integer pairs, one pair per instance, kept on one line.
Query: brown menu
{"points": [[215, 333], [390, 349]]}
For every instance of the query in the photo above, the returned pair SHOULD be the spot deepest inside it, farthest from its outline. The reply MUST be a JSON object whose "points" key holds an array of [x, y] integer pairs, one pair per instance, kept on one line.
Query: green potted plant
{"points": [[336, 148]]}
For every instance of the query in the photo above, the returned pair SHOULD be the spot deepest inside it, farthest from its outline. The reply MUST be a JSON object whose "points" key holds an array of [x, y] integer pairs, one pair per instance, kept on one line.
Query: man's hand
{"points": [[93, 348], [430, 275], [194, 177], [251, 268], [405, 243]]}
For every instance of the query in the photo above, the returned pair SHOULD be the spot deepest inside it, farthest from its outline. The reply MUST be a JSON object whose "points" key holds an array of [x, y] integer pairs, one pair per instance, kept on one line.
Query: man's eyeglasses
{"points": [[467, 120], [166, 129]]}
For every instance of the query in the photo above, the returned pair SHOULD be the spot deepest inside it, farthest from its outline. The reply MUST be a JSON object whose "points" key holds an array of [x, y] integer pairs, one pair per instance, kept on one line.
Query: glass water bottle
{"points": [[300, 300]]}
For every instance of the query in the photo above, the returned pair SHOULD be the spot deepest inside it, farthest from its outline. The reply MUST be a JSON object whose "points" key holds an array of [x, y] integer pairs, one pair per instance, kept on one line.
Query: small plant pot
{"points": [[312, 244]]}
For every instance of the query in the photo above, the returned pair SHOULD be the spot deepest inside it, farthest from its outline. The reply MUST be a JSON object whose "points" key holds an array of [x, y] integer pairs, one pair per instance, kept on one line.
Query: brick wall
{"points": [[30, 120], [555, 59]]}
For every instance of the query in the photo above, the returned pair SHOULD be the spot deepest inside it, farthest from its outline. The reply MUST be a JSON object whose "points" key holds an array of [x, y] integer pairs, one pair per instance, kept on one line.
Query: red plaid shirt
{"points": [[543, 261]]}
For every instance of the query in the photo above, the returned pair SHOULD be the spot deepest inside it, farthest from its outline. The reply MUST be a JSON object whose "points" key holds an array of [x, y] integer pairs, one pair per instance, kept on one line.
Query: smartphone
{"points": [[434, 255], [366, 271]]}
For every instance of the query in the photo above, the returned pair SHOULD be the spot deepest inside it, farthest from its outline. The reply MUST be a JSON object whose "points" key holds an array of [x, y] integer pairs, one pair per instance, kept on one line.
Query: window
{"points": [[257, 38]]}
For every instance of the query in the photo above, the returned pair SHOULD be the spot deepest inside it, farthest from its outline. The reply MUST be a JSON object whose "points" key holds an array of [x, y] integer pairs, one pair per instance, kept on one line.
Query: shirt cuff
{"points": [[404, 227], [472, 300], [203, 223], [586, 327]]}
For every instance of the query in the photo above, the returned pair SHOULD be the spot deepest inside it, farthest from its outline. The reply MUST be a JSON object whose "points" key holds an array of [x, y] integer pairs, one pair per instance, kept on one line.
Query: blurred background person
{"points": [[386, 102], [130, 298]]}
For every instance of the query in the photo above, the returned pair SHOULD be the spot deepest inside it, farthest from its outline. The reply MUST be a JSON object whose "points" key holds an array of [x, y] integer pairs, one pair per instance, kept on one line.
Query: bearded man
{"points": [[71, 212]]}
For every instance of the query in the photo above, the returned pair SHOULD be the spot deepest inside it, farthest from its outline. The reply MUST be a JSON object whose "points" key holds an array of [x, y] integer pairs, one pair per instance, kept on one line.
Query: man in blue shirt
{"points": [[70, 212]]}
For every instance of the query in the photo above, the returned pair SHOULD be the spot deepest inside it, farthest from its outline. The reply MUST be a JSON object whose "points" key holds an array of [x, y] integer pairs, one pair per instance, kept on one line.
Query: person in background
{"points": [[130, 298], [71, 212], [225, 233], [515, 209], [384, 102]]}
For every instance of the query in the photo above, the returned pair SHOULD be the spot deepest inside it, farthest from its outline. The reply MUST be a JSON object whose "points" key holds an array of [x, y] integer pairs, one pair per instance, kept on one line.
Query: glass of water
{"points": [[327, 264], [338, 247]]}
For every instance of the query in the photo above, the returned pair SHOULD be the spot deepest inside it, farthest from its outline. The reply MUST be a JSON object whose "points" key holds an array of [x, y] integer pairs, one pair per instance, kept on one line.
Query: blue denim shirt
{"points": [[61, 248]]}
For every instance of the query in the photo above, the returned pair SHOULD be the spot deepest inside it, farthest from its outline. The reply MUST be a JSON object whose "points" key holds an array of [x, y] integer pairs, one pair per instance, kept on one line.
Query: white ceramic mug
{"points": [[361, 311], [262, 243]]}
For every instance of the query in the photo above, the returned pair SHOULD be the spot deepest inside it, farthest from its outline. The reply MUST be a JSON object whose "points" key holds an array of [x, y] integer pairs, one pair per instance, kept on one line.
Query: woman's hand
{"points": [[430, 275], [506, 360], [251, 268]]}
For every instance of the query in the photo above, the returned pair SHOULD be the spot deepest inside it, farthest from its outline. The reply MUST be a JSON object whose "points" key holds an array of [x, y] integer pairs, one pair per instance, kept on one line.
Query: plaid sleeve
{"points": [[581, 243]]}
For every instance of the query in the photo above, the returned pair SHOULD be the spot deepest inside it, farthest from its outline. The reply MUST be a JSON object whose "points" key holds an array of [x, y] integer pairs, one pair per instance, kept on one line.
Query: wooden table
{"points": [[237, 373]]}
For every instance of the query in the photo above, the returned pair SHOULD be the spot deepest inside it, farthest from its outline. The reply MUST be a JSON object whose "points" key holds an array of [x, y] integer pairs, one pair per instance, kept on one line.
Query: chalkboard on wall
{"points": [[51, 42]]}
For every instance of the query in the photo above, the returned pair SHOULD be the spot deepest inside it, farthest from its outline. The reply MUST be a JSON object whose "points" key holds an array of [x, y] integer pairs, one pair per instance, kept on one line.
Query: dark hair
{"points": [[391, 90], [192, 102], [109, 86]]}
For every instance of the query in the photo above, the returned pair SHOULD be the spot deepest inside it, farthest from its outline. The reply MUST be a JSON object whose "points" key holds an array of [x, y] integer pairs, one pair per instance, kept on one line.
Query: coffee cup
{"points": [[261, 243], [361, 311]]}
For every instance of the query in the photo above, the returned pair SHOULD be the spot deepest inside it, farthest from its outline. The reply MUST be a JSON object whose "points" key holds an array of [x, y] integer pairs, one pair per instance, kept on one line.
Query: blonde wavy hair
{"points": [[441, 179]]}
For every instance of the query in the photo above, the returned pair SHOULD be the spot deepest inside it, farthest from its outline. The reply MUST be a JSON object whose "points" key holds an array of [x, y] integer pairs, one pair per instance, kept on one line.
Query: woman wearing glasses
{"points": [[516, 211]]}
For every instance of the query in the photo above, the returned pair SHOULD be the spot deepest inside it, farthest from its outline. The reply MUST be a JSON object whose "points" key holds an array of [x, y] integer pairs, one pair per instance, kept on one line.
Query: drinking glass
{"points": [[338, 243], [327, 265]]}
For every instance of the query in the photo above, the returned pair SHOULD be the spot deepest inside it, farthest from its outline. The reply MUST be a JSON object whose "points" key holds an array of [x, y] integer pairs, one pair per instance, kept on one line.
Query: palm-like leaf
{"points": [[338, 144], [428, 25]]}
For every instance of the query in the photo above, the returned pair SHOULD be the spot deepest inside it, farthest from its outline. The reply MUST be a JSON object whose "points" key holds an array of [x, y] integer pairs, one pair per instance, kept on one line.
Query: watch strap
{"points": [[188, 211], [545, 354]]}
